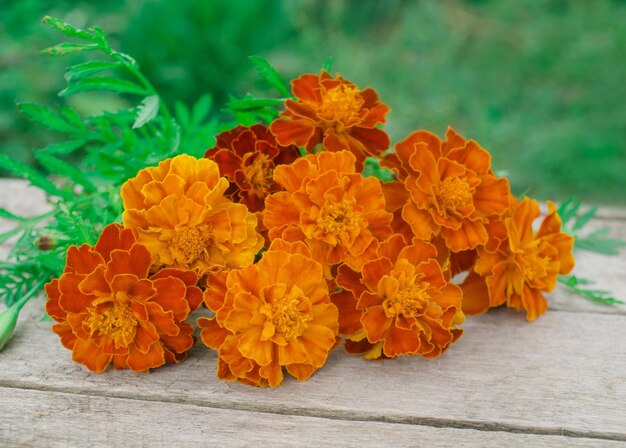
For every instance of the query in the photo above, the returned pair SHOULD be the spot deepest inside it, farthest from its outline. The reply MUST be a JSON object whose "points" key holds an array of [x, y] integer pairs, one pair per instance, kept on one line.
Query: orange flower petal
{"points": [[142, 362], [87, 353]]}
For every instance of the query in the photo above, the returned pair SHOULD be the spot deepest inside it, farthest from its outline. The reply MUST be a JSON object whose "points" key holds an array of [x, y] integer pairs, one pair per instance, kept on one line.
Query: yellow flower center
{"points": [[190, 242], [533, 265], [259, 173], [288, 314], [410, 301], [338, 218], [341, 103], [453, 193], [117, 322]]}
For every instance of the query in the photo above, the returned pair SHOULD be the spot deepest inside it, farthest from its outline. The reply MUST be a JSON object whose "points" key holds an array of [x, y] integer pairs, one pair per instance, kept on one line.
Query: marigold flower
{"points": [[179, 212], [524, 265], [399, 304], [339, 214], [246, 156], [335, 113], [453, 192], [109, 309], [273, 314]]}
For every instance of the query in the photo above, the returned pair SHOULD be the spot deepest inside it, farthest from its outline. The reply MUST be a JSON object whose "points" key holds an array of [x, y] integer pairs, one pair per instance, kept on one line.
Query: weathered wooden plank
{"points": [[46, 419], [564, 374]]}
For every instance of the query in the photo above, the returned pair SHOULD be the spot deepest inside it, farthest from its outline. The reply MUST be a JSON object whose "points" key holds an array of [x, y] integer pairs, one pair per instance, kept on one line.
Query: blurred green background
{"points": [[540, 83]]}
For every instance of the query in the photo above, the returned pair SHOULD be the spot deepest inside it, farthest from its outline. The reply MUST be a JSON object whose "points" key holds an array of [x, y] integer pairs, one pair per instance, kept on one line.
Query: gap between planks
{"points": [[341, 416], [54, 419], [552, 388]]}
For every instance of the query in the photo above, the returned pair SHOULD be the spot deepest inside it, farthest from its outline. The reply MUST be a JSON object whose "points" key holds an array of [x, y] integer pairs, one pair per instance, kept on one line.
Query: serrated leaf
{"points": [[201, 109], [107, 84], [328, 64], [269, 74], [146, 111], [61, 168], [597, 295], [100, 37], [66, 48], [30, 174], [67, 29], [62, 148], [80, 71], [44, 116], [72, 117]]}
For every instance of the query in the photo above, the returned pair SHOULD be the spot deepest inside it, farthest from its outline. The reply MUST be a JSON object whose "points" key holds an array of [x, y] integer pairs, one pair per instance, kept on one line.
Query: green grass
{"points": [[539, 83]]}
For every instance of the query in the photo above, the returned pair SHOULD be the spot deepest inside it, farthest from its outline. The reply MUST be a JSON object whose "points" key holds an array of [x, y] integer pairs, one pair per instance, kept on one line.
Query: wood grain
{"points": [[560, 380], [564, 374], [45, 419]]}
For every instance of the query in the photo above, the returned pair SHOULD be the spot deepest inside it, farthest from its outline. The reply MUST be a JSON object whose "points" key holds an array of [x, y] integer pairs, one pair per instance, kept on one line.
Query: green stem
{"points": [[150, 88], [20, 303]]}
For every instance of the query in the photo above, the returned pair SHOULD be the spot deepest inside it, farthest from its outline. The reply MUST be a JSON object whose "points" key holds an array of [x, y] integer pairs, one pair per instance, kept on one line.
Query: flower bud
{"points": [[45, 243], [8, 320]]}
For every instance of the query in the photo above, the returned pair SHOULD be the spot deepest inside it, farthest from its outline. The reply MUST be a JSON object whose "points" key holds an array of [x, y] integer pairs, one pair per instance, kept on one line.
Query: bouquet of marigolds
{"points": [[301, 228]]}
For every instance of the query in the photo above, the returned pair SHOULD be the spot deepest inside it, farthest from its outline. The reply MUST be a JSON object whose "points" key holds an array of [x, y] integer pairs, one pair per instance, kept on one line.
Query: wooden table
{"points": [[559, 381]]}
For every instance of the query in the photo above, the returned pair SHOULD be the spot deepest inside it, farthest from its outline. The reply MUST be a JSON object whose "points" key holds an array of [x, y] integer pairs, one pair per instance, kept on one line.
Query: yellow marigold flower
{"points": [[339, 214], [179, 212], [273, 314], [524, 264]]}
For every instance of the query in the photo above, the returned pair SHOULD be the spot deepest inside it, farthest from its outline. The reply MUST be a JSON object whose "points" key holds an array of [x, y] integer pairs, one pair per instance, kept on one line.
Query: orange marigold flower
{"points": [[453, 192], [524, 265], [339, 214], [179, 212], [399, 304], [273, 314], [335, 113], [247, 157], [109, 309]]}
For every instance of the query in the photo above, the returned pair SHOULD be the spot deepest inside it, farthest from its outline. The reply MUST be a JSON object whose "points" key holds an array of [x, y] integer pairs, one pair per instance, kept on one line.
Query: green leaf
{"points": [[66, 48], [201, 109], [372, 168], [269, 74], [65, 147], [80, 71], [598, 295], [182, 114], [61, 168], [5, 214], [72, 117], [101, 38], [8, 234], [249, 103], [585, 218], [43, 115], [107, 84], [146, 111], [328, 64], [32, 175], [67, 29]]}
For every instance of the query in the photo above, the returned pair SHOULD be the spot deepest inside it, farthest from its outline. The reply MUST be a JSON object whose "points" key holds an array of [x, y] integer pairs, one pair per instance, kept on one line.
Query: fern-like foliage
{"points": [[110, 147], [574, 223], [597, 240]]}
